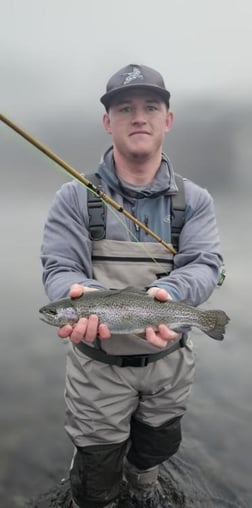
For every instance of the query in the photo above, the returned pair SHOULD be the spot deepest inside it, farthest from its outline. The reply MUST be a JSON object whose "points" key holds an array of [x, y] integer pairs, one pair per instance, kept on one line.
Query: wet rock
{"points": [[59, 497]]}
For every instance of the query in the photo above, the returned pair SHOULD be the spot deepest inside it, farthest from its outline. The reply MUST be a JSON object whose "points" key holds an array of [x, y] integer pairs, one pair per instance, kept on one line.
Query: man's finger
{"points": [[76, 290], [159, 293], [166, 333], [154, 339], [92, 328], [79, 330], [104, 332], [65, 331]]}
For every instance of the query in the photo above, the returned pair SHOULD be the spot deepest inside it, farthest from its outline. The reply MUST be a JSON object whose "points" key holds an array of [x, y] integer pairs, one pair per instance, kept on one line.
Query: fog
{"points": [[55, 59]]}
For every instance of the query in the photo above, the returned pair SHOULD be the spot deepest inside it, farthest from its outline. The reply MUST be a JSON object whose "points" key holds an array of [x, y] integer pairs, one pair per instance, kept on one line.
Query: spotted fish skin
{"points": [[129, 311]]}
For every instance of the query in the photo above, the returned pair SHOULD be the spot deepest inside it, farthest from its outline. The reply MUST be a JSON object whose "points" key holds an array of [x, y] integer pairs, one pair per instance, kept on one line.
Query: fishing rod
{"points": [[81, 178]]}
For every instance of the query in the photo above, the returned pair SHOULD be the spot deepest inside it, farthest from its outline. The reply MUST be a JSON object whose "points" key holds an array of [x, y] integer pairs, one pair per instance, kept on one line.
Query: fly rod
{"points": [[78, 176]]}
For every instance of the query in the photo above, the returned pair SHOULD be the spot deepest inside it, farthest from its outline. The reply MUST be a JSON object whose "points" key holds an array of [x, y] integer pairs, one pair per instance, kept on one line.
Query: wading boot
{"points": [[144, 487], [151, 497], [113, 504]]}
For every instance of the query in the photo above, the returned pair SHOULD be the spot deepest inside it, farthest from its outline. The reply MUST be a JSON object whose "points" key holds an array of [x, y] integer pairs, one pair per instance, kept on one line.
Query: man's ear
{"points": [[106, 123], [169, 121]]}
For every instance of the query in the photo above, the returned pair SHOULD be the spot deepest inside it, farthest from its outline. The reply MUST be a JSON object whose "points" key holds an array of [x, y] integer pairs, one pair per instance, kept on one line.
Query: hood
{"points": [[163, 183]]}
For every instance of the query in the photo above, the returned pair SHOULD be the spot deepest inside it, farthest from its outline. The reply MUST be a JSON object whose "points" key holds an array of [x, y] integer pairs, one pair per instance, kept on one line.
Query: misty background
{"points": [[55, 59]]}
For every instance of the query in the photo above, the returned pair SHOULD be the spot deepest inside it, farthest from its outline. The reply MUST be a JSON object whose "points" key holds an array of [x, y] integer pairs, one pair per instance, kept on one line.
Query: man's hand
{"points": [[164, 333], [85, 328]]}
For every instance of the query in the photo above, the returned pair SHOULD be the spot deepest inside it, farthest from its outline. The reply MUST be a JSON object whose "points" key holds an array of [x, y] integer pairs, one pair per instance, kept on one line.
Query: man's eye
{"points": [[124, 109], [152, 108]]}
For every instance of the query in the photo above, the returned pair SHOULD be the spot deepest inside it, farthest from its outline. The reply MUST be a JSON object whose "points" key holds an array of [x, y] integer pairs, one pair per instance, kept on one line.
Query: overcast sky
{"points": [[58, 54]]}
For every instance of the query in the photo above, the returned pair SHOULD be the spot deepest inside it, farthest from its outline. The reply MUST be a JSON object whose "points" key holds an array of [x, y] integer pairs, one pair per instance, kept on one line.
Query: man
{"points": [[124, 402]]}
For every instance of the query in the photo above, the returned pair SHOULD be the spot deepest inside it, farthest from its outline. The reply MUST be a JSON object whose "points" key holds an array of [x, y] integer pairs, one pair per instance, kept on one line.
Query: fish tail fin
{"points": [[219, 319]]}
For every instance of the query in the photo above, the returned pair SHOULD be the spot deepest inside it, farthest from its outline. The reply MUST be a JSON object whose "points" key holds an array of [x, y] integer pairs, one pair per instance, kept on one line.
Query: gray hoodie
{"points": [[66, 251]]}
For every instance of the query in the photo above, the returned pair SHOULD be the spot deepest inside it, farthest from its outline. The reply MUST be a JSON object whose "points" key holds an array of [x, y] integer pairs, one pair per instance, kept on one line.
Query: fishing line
{"points": [[109, 202]]}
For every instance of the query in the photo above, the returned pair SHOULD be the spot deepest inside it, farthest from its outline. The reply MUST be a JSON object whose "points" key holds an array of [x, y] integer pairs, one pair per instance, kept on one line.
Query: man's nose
{"points": [[138, 116]]}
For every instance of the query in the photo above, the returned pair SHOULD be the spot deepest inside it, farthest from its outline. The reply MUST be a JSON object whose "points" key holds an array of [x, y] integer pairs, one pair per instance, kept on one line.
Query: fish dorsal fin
{"points": [[129, 289], [187, 302]]}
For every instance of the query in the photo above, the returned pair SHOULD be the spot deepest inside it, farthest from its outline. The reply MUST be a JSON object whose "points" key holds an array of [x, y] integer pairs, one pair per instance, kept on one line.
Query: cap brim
{"points": [[108, 97]]}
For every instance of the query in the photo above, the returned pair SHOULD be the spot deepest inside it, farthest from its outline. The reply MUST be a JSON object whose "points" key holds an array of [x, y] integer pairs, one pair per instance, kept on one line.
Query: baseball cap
{"points": [[135, 77]]}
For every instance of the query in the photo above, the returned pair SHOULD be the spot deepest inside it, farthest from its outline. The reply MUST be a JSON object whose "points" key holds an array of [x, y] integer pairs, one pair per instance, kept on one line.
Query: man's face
{"points": [[138, 122]]}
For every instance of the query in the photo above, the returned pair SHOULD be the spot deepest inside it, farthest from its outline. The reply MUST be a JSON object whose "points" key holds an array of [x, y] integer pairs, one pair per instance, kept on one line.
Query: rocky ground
{"points": [[60, 497]]}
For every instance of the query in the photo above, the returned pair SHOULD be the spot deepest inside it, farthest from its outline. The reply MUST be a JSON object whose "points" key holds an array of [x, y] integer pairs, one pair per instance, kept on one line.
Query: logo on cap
{"points": [[135, 74]]}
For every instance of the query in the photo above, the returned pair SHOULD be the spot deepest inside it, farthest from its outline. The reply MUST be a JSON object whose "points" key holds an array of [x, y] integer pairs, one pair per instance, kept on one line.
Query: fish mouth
{"points": [[48, 315], [48, 312]]}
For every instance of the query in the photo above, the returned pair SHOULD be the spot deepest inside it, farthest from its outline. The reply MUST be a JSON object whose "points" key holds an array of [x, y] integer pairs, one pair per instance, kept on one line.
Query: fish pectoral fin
{"points": [[181, 328], [140, 335]]}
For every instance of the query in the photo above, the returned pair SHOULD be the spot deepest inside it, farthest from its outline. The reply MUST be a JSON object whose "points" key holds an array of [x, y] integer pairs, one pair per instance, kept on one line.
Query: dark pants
{"points": [[97, 470]]}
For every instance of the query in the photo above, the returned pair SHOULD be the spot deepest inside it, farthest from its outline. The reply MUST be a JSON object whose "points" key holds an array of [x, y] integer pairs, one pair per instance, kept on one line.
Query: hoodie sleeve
{"points": [[66, 247], [197, 264]]}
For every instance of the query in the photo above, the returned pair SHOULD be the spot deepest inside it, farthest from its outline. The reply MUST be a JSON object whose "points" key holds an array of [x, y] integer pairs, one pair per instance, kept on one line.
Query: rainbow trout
{"points": [[130, 311]]}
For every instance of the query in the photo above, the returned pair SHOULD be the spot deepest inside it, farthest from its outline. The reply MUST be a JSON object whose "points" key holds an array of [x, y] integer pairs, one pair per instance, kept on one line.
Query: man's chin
{"points": [[140, 155]]}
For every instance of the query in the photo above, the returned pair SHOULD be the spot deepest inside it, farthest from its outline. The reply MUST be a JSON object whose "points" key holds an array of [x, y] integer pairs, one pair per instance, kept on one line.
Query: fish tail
{"points": [[219, 320]]}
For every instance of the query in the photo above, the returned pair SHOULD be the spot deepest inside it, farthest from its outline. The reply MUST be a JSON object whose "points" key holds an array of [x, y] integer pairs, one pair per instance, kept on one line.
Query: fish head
{"points": [[59, 313]]}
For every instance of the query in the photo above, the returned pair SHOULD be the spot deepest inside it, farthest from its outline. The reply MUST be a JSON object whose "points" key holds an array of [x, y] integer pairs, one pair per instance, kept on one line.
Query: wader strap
{"points": [[177, 212], [128, 360], [96, 211]]}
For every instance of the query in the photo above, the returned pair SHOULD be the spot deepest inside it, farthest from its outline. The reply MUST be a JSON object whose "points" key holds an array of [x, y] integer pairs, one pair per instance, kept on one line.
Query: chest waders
{"points": [[114, 413]]}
